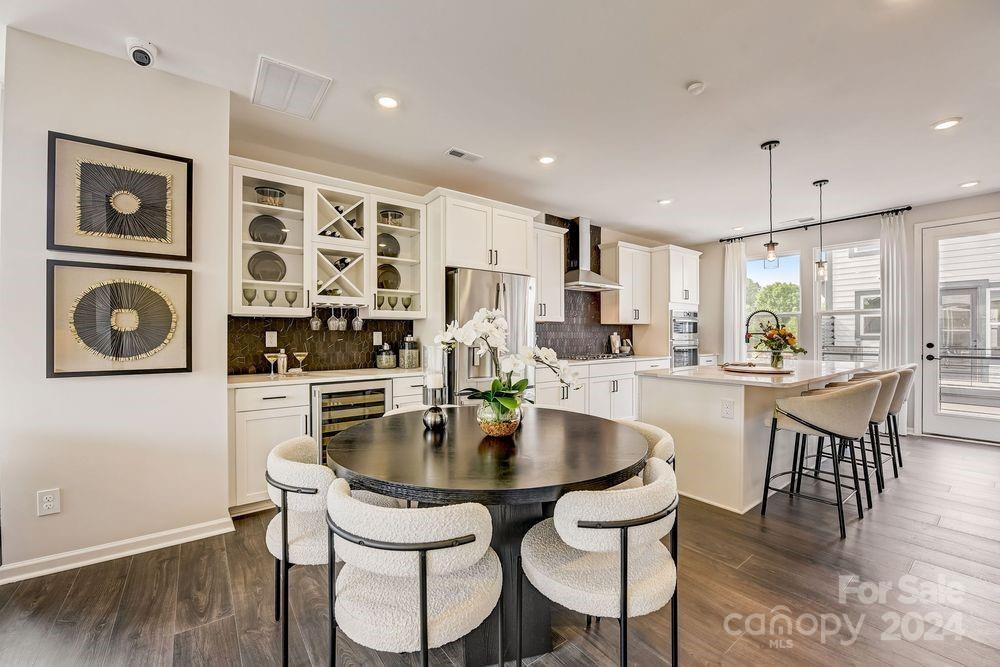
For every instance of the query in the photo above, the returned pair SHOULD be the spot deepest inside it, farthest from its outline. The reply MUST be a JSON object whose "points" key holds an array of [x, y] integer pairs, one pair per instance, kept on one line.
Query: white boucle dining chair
{"points": [[601, 554], [661, 446], [412, 579], [297, 533]]}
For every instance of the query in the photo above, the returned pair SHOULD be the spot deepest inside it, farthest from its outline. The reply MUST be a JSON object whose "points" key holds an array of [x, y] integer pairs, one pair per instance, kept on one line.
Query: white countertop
{"points": [[805, 372], [312, 377], [633, 358]]}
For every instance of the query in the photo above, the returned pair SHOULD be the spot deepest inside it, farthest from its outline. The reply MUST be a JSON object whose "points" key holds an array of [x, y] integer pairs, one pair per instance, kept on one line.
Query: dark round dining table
{"points": [[519, 479]]}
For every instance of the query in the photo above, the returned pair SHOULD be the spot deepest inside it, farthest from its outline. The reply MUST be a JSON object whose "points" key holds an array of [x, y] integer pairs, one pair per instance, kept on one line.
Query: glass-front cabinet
{"points": [[300, 243]]}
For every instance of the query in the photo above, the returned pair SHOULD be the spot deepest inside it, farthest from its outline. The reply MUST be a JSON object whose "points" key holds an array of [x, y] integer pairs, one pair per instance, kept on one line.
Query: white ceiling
{"points": [[849, 87]]}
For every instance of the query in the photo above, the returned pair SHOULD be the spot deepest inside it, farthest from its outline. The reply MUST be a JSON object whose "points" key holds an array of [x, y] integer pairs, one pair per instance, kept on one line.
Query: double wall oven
{"points": [[683, 338]]}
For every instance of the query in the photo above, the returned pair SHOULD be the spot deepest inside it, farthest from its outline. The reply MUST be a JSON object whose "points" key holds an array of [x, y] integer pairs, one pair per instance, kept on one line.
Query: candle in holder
{"points": [[434, 380]]}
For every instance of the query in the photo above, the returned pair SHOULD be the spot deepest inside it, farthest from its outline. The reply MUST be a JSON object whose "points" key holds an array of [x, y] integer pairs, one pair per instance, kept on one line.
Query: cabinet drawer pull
{"points": [[272, 398], [416, 386]]}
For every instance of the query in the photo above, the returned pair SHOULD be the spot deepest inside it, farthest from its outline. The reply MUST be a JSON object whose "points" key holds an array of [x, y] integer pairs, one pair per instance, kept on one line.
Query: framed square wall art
{"points": [[116, 200], [108, 319]]}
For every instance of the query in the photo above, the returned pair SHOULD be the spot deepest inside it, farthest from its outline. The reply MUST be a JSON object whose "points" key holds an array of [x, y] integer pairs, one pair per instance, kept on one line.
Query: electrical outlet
{"points": [[270, 339], [728, 408], [377, 338], [48, 502]]}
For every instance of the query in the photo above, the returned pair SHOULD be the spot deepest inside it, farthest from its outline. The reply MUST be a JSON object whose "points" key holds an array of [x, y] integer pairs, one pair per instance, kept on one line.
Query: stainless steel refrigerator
{"points": [[468, 290]]}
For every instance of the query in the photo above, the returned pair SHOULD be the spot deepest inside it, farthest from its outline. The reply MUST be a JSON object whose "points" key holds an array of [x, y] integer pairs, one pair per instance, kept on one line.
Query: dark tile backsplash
{"points": [[328, 350], [582, 332]]}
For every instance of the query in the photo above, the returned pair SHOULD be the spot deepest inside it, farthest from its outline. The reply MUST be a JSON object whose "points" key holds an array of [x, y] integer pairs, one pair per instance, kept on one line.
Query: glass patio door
{"points": [[961, 323]]}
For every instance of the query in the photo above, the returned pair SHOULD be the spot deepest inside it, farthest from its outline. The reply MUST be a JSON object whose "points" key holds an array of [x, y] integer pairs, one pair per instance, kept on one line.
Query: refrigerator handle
{"points": [[498, 300]]}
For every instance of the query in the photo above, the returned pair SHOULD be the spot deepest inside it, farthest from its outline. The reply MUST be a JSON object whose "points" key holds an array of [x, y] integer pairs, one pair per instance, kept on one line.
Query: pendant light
{"points": [[771, 247], [821, 266]]}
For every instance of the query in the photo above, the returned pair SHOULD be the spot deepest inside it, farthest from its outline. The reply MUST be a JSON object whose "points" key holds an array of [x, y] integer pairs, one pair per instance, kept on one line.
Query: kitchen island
{"points": [[721, 422]]}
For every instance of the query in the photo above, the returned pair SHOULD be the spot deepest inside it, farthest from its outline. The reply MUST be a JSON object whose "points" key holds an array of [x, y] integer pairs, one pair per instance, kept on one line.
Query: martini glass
{"points": [[271, 357], [301, 358]]}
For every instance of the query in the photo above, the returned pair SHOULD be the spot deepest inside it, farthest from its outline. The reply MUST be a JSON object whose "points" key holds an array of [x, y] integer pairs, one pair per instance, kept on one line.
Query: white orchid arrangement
{"points": [[487, 332]]}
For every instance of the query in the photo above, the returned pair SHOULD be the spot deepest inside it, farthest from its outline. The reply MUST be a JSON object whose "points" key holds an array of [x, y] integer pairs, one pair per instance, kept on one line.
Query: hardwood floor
{"points": [[937, 527]]}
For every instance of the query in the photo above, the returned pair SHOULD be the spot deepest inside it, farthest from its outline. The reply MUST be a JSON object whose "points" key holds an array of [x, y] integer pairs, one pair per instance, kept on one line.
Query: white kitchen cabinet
{"points": [[257, 432], [629, 265], [550, 271], [557, 395], [612, 397], [480, 236], [684, 275], [400, 243]]}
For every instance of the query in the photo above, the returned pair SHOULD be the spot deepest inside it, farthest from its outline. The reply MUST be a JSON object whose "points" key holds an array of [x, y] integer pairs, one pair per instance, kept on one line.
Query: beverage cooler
{"points": [[339, 406]]}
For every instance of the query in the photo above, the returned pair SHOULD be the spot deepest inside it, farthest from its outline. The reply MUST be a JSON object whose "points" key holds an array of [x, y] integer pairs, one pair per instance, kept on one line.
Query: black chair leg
{"points": [[285, 566], [500, 629], [802, 463], [895, 435], [857, 483], [424, 660], [674, 627], [277, 590], [331, 573], [519, 604], [836, 486], [877, 455], [795, 467], [767, 471], [623, 601], [819, 455], [895, 469], [588, 621], [864, 469]]}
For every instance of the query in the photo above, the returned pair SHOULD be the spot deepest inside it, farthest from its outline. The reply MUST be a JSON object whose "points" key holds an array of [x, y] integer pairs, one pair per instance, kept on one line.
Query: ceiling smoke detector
{"points": [[463, 154], [696, 87], [282, 87]]}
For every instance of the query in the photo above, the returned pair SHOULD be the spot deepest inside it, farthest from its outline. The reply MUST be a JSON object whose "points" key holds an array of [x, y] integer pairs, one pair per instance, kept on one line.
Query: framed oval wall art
{"points": [[106, 319], [117, 200]]}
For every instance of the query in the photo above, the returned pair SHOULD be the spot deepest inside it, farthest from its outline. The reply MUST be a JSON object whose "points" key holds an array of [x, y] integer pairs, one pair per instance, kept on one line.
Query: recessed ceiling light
{"points": [[387, 101], [969, 184], [947, 123], [738, 229], [546, 159], [696, 87], [664, 202]]}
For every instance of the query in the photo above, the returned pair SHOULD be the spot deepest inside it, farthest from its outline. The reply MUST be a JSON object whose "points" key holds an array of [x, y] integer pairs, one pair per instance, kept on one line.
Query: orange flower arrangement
{"points": [[777, 339]]}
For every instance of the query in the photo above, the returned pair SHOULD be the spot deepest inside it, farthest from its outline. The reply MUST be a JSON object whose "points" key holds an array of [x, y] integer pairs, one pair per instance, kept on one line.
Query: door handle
{"points": [[490, 260], [496, 258], [930, 357], [686, 294], [545, 309], [306, 418]]}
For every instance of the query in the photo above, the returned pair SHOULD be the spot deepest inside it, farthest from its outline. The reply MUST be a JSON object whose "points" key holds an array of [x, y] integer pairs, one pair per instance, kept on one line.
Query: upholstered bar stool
{"points": [[907, 374], [412, 579], [297, 533], [661, 446], [842, 417], [888, 382]]}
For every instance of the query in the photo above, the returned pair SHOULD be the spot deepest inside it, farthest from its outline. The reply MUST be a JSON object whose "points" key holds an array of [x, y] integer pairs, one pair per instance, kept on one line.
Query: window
{"points": [[849, 303], [776, 289]]}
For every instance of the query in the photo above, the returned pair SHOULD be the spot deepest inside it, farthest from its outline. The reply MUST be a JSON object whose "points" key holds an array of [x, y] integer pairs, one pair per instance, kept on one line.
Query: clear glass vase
{"points": [[777, 360], [497, 425]]}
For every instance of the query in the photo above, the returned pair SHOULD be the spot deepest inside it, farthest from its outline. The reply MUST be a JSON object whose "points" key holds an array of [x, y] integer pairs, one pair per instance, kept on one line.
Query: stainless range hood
{"points": [[580, 278]]}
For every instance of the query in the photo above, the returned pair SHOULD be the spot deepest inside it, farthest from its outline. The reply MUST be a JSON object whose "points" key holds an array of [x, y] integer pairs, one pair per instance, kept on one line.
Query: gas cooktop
{"points": [[595, 357]]}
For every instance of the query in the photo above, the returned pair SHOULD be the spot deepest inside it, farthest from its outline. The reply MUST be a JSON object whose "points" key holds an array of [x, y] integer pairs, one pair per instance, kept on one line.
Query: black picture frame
{"points": [[50, 321], [51, 244]]}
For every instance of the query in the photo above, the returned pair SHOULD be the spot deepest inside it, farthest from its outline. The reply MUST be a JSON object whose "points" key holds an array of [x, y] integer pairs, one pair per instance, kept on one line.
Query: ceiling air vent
{"points": [[464, 155], [282, 87]]}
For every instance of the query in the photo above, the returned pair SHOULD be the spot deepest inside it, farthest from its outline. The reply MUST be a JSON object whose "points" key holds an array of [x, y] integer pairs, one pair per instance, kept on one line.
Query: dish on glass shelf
{"points": [[388, 277], [390, 216], [270, 195], [268, 229], [266, 266], [388, 245]]}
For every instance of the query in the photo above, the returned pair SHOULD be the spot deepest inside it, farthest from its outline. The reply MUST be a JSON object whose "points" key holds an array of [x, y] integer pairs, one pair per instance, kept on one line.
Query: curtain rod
{"points": [[898, 209]]}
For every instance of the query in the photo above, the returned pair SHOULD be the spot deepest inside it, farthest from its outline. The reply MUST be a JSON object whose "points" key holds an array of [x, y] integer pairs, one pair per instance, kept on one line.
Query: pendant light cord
{"points": [[821, 222], [770, 195]]}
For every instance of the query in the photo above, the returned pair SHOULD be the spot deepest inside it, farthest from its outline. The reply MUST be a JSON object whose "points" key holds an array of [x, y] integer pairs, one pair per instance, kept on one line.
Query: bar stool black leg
{"points": [[895, 469], [857, 484], [803, 452], [877, 455], [836, 486], [795, 467], [277, 590], [895, 433], [864, 469], [767, 471], [819, 455]]}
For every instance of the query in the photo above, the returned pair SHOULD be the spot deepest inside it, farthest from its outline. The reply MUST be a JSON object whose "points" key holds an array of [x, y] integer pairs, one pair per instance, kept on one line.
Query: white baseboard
{"points": [[251, 508], [36, 567]]}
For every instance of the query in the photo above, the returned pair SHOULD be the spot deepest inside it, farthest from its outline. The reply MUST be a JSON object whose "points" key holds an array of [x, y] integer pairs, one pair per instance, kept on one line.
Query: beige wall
{"points": [[133, 455], [713, 259]]}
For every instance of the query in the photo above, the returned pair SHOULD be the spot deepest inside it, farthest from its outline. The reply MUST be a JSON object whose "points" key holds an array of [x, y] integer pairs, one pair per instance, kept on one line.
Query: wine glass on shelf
{"points": [[271, 357], [342, 321], [270, 295], [249, 294], [392, 302], [290, 297], [331, 323], [301, 358], [379, 301], [407, 302], [357, 323], [314, 322]]}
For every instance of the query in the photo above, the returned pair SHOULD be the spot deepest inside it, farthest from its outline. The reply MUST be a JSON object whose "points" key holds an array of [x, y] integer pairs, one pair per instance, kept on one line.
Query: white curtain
{"points": [[895, 307], [734, 295]]}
